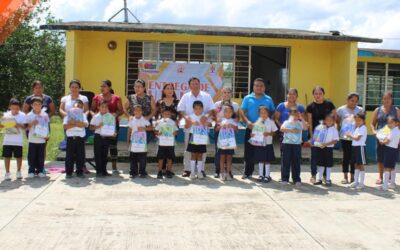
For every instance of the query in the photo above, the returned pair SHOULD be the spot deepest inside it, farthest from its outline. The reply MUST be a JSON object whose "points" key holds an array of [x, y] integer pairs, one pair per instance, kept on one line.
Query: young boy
{"points": [[103, 124], [166, 131], [38, 126], [75, 123], [14, 121], [137, 140]]}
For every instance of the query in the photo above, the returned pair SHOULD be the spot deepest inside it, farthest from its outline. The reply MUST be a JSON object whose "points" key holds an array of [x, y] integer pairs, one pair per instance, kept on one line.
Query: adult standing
{"points": [[219, 114], [379, 120], [114, 104], [140, 97], [345, 115], [249, 114], [48, 104], [316, 112], [185, 108], [283, 109], [168, 99]]}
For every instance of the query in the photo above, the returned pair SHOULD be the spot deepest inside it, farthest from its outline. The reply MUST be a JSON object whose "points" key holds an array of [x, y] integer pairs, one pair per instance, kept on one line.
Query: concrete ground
{"points": [[119, 213]]}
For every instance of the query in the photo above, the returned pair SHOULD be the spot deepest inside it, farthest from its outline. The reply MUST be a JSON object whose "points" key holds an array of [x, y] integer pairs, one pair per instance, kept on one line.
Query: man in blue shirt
{"points": [[249, 114]]}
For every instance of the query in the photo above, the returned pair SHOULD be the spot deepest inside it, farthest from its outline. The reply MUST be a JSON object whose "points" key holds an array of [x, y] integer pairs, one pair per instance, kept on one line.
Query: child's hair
{"points": [[198, 103], [14, 101], [360, 115], [78, 102], [37, 99], [392, 118], [353, 94], [103, 102], [137, 106], [293, 109], [226, 105], [262, 107], [330, 115]]}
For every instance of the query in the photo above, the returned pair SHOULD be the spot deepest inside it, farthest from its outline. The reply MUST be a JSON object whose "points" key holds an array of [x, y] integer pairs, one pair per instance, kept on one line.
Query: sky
{"points": [[367, 18]]}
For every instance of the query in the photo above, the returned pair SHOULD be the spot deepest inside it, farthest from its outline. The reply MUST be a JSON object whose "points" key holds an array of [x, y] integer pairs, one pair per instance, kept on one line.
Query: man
{"points": [[249, 114], [185, 109]]}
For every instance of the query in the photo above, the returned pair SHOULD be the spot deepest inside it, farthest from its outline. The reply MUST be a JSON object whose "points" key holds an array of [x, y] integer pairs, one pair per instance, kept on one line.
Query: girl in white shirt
{"points": [[359, 137]]}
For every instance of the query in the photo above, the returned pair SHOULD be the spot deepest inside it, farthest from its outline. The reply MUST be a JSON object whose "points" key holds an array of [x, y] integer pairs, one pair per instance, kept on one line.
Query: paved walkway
{"points": [[119, 213]]}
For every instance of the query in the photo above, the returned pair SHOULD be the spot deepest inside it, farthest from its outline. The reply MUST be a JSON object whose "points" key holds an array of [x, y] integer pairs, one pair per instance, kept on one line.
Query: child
{"points": [[226, 143], [75, 123], [198, 139], [291, 147], [264, 129], [38, 126], [390, 153], [166, 131], [14, 123], [359, 137], [324, 149], [103, 124], [137, 139]]}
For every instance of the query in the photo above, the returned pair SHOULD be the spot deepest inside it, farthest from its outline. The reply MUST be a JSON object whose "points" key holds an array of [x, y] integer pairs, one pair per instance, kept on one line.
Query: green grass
{"points": [[56, 136]]}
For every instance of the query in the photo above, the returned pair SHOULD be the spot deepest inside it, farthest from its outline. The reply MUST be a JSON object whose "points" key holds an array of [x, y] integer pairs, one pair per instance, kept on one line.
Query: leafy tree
{"points": [[32, 54]]}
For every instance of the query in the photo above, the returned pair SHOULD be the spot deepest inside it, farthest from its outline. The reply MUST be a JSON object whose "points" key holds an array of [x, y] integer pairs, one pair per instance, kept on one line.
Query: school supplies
{"points": [[108, 128], [199, 135], [319, 135], [257, 138], [138, 142], [41, 129], [226, 138]]}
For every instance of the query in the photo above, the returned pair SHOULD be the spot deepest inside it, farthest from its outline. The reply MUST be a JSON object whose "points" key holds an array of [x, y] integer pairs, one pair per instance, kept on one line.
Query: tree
{"points": [[32, 54]]}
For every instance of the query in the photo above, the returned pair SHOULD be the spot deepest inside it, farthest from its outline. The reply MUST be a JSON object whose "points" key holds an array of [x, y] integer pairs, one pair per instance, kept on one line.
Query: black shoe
{"points": [[186, 174], [267, 179], [260, 179], [80, 175], [244, 177], [106, 174], [99, 175], [169, 174], [317, 183], [160, 175], [144, 175], [230, 174], [328, 183], [216, 175], [203, 173], [132, 176], [68, 176]]}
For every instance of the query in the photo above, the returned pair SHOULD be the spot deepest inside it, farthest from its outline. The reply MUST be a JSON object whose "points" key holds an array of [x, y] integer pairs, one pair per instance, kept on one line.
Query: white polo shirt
{"points": [[360, 131], [394, 138], [185, 105]]}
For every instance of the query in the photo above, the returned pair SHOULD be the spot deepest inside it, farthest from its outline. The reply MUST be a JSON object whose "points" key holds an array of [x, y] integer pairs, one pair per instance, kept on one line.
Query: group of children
{"points": [[325, 136]]}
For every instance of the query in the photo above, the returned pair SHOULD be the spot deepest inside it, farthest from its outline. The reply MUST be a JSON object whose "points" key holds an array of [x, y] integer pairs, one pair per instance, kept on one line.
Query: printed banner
{"points": [[156, 74]]}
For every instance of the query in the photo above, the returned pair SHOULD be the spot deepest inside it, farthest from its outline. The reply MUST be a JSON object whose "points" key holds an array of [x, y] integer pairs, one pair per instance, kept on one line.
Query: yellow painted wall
{"points": [[327, 63]]}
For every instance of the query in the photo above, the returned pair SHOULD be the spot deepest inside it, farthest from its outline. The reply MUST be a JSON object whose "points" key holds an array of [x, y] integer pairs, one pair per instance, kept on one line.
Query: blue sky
{"points": [[378, 19]]}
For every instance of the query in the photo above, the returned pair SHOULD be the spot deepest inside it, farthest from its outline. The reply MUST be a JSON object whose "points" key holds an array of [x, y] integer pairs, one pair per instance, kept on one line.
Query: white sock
{"points": [[267, 169], [362, 177], [192, 166], [356, 175], [320, 173], [386, 175], [199, 167], [328, 174], [261, 169], [393, 177]]}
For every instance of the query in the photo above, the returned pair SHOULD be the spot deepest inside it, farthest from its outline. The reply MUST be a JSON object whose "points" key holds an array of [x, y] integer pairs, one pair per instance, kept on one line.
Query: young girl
{"points": [[137, 140], [75, 123], [328, 136], [261, 138], [291, 149], [226, 128], [359, 137], [390, 153], [166, 131], [198, 139], [103, 124]]}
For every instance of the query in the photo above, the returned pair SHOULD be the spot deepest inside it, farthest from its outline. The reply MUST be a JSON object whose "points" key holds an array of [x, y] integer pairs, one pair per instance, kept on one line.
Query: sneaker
{"points": [[353, 185], [169, 174], [115, 171], [344, 181], [68, 176], [31, 175], [132, 176], [228, 177], [317, 183], [143, 175], [328, 183], [160, 175], [382, 188], [360, 186], [298, 184], [284, 183], [260, 178], [80, 175], [392, 186], [203, 173], [99, 175], [7, 176], [18, 175], [244, 177], [216, 175], [312, 180], [186, 174], [105, 174], [222, 177], [42, 175], [192, 176], [267, 179]]}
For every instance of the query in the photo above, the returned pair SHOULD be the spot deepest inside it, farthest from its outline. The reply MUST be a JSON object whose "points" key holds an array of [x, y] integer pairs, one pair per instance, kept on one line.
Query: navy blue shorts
{"points": [[358, 155], [390, 156], [226, 151], [263, 154], [8, 151], [324, 156], [166, 152], [379, 151]]}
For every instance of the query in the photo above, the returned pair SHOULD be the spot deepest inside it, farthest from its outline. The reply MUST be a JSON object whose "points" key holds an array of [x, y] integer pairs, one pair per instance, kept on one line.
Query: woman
{"points": [[282, 110], [140, 97], [48, 104], [345, 116], [316, 112], [219, 114], [379, 120], [168, 99], [114, 104]]}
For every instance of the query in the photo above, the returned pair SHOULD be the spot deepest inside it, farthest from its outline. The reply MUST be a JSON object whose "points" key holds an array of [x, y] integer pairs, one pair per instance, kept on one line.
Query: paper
{"points": [[108, 128], [258, 138], [41, 129], [200, 135], [319, 135], [138, 142], [383, 133], [166, 134], [9, 125], [226, 138], [347, 126], [293, 138], [75, 114]]}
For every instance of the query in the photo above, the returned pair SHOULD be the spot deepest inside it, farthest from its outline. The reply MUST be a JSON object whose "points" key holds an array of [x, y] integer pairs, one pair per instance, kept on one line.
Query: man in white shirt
{"points": [[185, 108]]}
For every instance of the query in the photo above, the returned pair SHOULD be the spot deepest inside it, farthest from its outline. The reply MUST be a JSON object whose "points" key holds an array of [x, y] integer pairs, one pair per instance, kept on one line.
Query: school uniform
{"points": [[325, 155], [75, 153], [138, 158], [291, 151], [391, 150], [14, 138], [265, 153], [220, 149], [37, 144], [358, 147], [193, 146], [166, 127]]}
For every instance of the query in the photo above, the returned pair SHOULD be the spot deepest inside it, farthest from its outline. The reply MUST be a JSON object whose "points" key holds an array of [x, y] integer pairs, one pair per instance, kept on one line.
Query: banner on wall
{"points": [[157, 74]]}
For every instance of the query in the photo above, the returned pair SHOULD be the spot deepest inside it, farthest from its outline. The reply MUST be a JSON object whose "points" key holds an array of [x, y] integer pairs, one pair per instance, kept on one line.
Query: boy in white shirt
{"points": [[75, 123], [14, 122], [38, 126]]}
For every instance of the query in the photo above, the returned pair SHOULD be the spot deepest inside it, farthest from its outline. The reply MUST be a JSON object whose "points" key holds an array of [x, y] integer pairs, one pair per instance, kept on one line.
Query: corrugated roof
{"points": [[379, 53], [206, 30]]}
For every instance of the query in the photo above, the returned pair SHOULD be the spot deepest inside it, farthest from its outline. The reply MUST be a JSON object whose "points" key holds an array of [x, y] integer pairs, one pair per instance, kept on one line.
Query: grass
{"points": [[56, 136]]}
